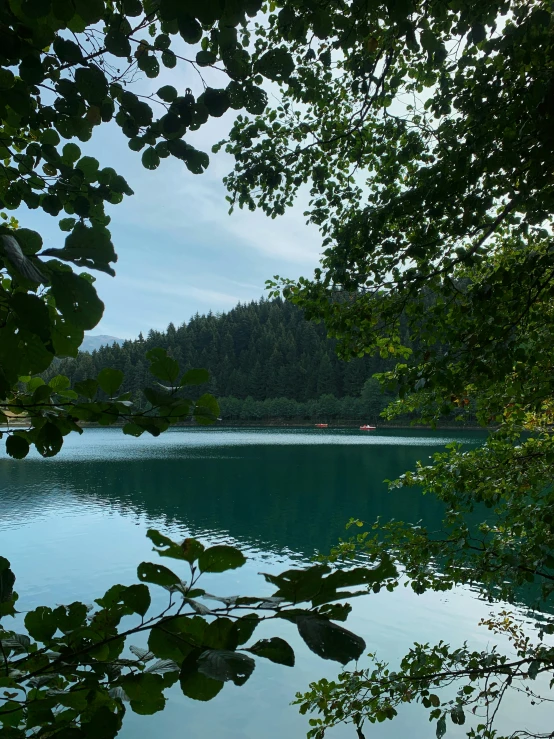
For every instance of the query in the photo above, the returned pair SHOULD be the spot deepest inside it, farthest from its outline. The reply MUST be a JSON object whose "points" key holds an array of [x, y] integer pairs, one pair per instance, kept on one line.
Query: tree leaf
{"points": [[143, 654], [41, 624], [206, 410], [276, 64], [76, 299], [167, 93], [166, 369], [7, 581], [87, 388], [145, 692], [150, 158], [157, 574], [328, 640], [216, 101], [224, 665], [162, 666], [220, 558], [110, 380], [192, 549], [195, 377], [137, 598], [16, 446], [275, 649], [91, 83], [195, 684], [49, 440]]}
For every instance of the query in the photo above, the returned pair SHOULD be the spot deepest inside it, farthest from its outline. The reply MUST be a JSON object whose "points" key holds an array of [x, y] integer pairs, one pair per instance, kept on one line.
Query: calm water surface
{"points": [[75, 524]]}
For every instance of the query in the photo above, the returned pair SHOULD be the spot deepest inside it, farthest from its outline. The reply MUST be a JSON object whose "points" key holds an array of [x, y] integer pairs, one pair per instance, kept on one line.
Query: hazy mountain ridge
{"points": [[91, 343]]}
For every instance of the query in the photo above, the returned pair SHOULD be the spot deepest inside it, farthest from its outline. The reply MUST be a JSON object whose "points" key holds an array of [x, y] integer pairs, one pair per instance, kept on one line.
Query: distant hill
{"points": [[264, 349], [90, 343], [266, 362]]}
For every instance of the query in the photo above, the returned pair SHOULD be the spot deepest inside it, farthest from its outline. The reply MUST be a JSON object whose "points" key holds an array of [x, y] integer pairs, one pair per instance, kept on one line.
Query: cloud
{"points": [[165, 287]]}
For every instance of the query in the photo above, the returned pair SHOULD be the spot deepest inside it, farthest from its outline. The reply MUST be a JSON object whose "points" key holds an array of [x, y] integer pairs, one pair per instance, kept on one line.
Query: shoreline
{"points": [[354, 425]]}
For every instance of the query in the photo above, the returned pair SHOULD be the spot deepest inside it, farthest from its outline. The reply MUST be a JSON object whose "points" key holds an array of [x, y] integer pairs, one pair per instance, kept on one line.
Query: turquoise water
{"points": [[74, 525]]}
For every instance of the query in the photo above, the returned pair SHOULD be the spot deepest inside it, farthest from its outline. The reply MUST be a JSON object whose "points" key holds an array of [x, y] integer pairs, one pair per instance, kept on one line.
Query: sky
{"points": [[179, 250]]}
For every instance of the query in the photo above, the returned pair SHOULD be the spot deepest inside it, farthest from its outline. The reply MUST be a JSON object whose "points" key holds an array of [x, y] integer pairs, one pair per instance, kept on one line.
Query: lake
{"points": [[75, 524]]}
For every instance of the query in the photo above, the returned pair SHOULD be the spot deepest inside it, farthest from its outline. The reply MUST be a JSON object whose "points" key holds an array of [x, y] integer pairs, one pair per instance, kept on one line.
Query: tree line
{"points": [[265, 360]]}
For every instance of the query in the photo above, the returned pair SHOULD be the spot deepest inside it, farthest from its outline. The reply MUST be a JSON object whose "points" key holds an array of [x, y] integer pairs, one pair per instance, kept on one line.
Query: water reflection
{"points": [[263, 488], [74, 525]]}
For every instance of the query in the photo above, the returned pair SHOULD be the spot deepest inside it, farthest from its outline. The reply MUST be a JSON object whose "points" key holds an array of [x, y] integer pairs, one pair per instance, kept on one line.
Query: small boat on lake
{"points": [[322, 425], [367, 428]]}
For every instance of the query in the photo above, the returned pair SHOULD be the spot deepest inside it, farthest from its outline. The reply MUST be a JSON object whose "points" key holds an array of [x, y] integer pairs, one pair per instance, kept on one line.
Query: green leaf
{"points": [[110, 381], [297, 586], [167, 547], [59, 383], [29, 241], [195, 684], [478, 33], [49, 440], [195, 377], [167, 93], [132, 7], [457, 715], [17, 447], [67, 51], [7, 581], [137, 598], [87, 388], [41, 624], [245, 627], [89, 166], [71, 617], [70, 153], [117, 43], [275, 649], [276, 64], [216, 101], [91, 11], [206, 58], [76, 299], [189, 28], [149, 65], [145, 692], [91, 83], [50, 136], [150, 158], [441, 727], [7, 79], [328, 640], [67, 224], [161, 666], [157, 574], [533, 670], [177, 638], [192, 549], [164, 368], [169, 59], [89, 247], [162, 642], [33, 314], [132, 429], [220, 558], [206, 410], [224, 665]]}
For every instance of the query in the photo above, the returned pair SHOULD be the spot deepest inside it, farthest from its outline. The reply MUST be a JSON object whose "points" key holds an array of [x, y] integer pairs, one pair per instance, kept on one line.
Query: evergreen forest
{"points": [[265, 359]]}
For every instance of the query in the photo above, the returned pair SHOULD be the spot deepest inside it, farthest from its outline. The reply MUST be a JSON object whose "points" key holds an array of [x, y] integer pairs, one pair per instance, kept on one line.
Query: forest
{"points": [[265, 360]]}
